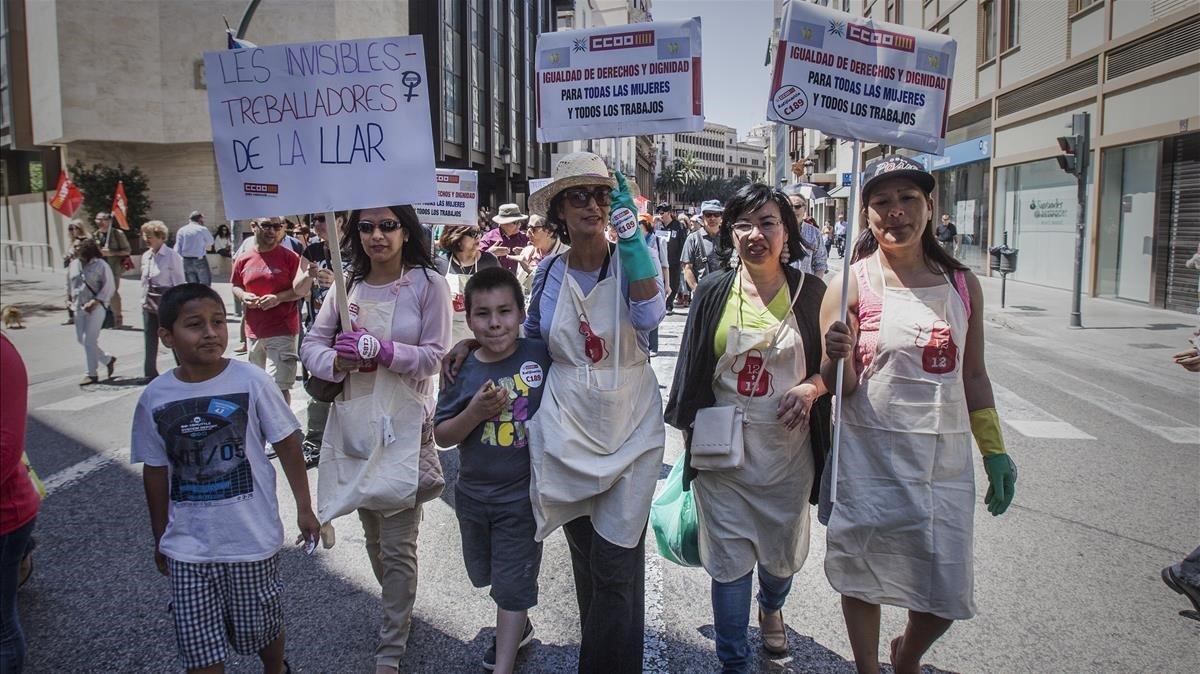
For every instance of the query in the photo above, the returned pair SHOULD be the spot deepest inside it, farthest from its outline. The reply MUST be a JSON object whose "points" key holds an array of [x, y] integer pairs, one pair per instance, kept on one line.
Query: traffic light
{"points": [[1069, 159]]}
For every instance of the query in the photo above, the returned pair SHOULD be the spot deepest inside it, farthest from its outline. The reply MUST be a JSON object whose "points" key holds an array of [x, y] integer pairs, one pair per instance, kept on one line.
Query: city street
{"points": [[1101, 423]]}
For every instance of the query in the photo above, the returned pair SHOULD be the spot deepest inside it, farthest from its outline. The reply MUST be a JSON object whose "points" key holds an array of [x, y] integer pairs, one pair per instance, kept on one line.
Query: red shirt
{"points": [[18, 497], [268, 273]]}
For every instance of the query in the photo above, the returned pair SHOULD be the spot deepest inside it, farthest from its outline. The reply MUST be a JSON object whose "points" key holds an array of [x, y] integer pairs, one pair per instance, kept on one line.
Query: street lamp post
{"points": [[505, 157]]}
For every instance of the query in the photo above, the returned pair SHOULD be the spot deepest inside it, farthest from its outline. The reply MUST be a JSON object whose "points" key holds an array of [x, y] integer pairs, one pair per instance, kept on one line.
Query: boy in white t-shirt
{"points": [[200, 431]]}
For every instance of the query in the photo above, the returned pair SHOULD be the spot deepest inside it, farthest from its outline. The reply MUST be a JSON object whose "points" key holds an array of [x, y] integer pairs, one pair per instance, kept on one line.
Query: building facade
{"points": [[85, 81], [717, 153], [1024, 67]]}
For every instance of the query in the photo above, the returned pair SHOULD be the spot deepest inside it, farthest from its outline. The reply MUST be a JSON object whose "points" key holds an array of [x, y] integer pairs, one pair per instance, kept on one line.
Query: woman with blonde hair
{"points": [[162, 269]]}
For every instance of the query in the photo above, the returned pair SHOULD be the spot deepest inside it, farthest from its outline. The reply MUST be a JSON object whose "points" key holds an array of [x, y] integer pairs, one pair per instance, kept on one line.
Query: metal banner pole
{"points": [[856, 214], [616, 262]]}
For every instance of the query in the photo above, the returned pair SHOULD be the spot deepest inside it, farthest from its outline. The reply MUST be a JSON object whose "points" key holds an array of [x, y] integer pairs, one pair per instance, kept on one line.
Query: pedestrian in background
{"points": [[313, 282], [222, 247], [676, 235], [1184, 577], [753, 341], [19, 507], [76, 231], [400, 308], [262, 278], [915, 390], [947, 235], [192, 242], [464, 258], [115, 249], [543, 243], [700, 249], [658, 251], [506, 238], [814, 260], [162, 269], [92, 286]]}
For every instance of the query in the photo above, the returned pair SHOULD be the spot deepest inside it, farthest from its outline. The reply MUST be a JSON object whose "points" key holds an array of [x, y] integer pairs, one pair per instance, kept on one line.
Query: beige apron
{"points": [[758, 513], [596, 449], [384, 417], [900, 532], [458, 305]]}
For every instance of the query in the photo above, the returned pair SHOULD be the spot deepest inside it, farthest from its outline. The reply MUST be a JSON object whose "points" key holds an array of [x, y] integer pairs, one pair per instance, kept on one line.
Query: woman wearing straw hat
{"points": [[915, 389], [596, 444]]}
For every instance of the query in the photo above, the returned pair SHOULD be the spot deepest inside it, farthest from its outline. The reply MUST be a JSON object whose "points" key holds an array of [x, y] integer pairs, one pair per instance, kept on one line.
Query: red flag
{"points": [[67, 197], [120, 205]]}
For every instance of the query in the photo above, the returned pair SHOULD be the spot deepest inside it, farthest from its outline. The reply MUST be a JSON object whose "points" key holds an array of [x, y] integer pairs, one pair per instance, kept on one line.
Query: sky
{"points": [[733, 36]]}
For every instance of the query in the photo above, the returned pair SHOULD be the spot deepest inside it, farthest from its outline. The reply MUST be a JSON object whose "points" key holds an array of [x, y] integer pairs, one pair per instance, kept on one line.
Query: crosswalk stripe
{"points": [[1180, 435], [72, 474], [1032, 421], [80, 402]]}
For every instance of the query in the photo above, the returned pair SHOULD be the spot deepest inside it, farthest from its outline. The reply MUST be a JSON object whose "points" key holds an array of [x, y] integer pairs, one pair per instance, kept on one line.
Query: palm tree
{"points": [[668, 182]]}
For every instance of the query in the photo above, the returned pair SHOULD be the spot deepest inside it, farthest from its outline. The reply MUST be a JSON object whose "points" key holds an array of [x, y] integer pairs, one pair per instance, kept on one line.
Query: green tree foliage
{"points": [[99, 183]]}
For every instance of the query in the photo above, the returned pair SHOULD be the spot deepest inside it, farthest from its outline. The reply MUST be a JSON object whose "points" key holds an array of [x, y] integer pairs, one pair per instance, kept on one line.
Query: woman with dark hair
{"points": [[753, 340], [91, 287], [543, 243], [464, 258], [400, 309], [596, 443], [915, 389]]}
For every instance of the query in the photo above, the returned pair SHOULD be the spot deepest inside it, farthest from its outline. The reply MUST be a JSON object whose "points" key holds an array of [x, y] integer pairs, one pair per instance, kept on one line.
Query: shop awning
{"points": [[839, 192]]}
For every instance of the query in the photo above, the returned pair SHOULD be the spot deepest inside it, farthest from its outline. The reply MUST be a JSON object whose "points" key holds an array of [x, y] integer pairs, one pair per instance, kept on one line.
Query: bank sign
{"points": [[856, 78]]}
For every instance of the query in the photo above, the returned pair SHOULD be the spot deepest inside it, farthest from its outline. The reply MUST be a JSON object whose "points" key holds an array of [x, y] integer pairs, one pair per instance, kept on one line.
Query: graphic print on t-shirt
{"points": [[205, 440], [507, 429]]}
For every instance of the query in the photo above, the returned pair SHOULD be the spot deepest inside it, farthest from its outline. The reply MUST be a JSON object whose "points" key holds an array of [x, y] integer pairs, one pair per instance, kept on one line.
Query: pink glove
{"points": [[346, 344], [382, 350]]}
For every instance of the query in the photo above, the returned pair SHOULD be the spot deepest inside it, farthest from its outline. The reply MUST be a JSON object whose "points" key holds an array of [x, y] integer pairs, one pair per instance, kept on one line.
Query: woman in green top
{"points": [[753, 340]]}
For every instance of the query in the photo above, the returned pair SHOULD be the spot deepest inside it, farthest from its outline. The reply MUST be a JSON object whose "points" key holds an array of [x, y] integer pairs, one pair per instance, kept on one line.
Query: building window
{"points": [[452, 72], [478, 75], [987, 22], [1080, 5], [1011, 17]]}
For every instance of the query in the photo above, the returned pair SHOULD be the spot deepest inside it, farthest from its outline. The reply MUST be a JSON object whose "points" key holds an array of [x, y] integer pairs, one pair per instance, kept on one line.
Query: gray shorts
{"points": [[499, 550]]}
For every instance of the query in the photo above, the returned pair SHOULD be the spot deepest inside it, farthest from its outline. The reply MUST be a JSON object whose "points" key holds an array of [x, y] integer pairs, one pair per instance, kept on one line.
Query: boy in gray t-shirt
{"points": [[484, 412]]}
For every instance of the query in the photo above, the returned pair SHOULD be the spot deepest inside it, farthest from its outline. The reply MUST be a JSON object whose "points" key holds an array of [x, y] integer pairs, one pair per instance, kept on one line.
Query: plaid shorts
{"points": [[213, 601]]}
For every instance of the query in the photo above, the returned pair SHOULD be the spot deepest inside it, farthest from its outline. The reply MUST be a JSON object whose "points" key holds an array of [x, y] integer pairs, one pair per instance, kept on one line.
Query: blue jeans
{"points": [[731, 614], [195, 270], [12, 640]]}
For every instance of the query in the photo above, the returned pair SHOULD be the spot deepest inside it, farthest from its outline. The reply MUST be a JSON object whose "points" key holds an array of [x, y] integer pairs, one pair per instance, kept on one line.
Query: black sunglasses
{"points": [[385, 226], [270, 225], [580, 196]]}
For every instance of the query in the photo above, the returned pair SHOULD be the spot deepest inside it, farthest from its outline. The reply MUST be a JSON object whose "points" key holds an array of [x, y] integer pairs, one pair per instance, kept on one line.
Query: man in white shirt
{"points": [[192, 241]]}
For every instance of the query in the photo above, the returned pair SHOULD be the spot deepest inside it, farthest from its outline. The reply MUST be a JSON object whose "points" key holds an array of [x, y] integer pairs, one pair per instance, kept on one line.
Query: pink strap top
{"points": [[870, 309]]}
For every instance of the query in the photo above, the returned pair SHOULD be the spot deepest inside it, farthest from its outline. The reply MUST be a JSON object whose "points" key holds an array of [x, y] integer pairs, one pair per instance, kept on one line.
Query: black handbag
{"points": [[154, 295], [110, 321]]}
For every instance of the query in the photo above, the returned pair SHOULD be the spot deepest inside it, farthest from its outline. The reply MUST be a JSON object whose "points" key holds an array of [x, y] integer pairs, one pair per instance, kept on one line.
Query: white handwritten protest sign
{"points": [[628, 80], [321, 126], [457, 199], [857, 78]]}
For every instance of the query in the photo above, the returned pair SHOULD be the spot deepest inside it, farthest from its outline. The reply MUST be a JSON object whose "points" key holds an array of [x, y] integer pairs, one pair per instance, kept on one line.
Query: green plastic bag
{"points": [[673, 517]]}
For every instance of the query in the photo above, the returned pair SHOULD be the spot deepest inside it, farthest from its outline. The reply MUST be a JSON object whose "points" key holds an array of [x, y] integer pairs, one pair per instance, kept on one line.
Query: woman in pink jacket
{"points": [[378, 457]]}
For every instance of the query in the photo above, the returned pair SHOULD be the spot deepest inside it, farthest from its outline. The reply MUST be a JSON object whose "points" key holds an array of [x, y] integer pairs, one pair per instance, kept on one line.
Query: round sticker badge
{"points": [[531, 374]]}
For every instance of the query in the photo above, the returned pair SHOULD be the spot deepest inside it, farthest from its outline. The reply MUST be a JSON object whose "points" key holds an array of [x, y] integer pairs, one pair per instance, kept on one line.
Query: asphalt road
{"points": [[1067, 580]]}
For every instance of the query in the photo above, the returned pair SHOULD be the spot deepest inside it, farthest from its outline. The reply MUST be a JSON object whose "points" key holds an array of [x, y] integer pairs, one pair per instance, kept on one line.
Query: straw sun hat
{"points": [[573, 170]]}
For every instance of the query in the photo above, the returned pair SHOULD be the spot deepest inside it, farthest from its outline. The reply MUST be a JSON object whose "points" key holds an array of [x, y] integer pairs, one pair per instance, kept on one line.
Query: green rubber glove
{"points": [[635, 256], [1002, 482]]}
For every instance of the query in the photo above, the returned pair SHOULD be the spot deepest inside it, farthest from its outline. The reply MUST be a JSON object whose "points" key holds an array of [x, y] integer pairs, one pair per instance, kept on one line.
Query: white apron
{"points": [[758, 513], [458, 305], [595, 449], [384, 417], [901, 531]]}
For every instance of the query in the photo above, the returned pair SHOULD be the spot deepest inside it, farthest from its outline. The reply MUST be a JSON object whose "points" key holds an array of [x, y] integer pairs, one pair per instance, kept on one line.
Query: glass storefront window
{"points": [[1037, 205], [962, 192], [1126, 233]]}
